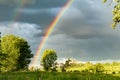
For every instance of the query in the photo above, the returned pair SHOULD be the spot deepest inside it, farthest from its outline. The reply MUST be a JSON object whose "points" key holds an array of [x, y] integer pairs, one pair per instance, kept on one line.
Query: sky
{"points": [[83, 32]]}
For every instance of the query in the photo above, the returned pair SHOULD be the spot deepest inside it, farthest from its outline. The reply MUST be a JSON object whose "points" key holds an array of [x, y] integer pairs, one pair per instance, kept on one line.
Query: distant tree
{"points": [[48, 59], [16, 51], [54, 67], [66, 65], [67, 62], [116, 12], [97, 68]]}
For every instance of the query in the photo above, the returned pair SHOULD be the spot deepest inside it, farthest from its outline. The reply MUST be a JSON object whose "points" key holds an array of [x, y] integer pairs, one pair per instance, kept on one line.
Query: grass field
{"points": [[87, 71], [57, 76]]}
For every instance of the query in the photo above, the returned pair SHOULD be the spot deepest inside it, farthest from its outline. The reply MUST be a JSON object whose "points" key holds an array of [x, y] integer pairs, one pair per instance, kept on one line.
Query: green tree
{"points": [[0, 42], [48, 59], [2, 56], [67, 62], [116, 12], [97, 68], [0, 52], [16, 51]]}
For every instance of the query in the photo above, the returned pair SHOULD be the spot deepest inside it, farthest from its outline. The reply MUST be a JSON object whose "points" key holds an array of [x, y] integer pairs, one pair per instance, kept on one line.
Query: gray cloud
{"points": [[39, 12], [83, 21], [15, 2], [84, 33], [24, 30]]}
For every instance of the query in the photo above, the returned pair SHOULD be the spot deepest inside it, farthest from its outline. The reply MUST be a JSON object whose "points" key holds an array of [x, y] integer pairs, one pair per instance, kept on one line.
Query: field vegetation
{"points": [[57, 76]]}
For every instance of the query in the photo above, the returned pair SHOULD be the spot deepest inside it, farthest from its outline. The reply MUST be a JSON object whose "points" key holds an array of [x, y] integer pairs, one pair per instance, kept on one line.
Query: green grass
{"points": [[57, 76]]}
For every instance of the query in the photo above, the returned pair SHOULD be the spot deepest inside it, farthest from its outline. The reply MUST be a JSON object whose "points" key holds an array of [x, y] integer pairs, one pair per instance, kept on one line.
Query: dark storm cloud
{"points": [[41, 12], [34, 3], [48, 3], [84, 21], [84, 33], [9, 2]]}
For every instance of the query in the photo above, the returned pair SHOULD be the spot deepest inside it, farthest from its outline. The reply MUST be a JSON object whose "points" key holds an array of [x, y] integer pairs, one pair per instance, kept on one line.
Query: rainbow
{"points": [[17, 14], [49, 30], [20, 6]]}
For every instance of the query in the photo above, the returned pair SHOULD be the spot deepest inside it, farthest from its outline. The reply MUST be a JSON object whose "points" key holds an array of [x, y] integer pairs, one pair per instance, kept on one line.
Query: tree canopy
{"points": [[116, 12], [16, 53], [48, 59]]}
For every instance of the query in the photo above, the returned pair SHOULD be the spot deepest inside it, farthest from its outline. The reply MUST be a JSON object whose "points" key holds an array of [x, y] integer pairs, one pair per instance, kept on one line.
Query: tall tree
{"points": [[48, 59], [2, 56], [0, 44], [116, 12], [0, 52], [16, 51]]}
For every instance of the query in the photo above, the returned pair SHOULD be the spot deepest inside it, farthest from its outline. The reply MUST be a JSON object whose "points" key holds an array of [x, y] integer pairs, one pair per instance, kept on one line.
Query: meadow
{"points": [[87, 71], [57, 76]]}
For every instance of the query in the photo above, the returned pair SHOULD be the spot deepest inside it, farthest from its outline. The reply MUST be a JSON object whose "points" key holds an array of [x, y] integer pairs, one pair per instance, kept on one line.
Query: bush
{"points": [[97, 68]]}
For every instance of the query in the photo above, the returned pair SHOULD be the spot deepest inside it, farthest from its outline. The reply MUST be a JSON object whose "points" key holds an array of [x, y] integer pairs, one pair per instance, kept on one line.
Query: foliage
{"points": [[16, 51], [1, 56], [104, 1], [116, 13], [54, 67], [66, 65], [0, 43], [67, 62], [97, 68], [48, 59]]}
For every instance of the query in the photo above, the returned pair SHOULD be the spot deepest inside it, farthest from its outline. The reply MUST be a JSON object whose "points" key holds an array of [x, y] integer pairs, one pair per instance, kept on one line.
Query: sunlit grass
{"points": [[57, 76]]}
